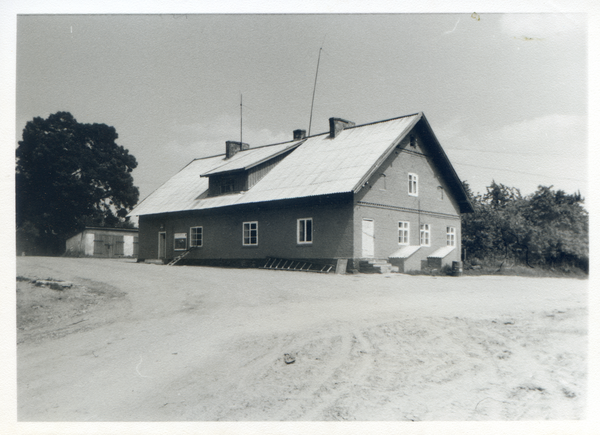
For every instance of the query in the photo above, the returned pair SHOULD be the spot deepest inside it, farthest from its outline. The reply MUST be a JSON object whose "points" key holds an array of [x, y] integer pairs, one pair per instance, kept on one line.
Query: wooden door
{"points": [[162, 245]]}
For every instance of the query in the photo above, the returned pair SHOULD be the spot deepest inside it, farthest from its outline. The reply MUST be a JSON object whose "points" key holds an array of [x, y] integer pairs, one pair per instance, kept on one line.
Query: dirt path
{"points": [[206, 344]]}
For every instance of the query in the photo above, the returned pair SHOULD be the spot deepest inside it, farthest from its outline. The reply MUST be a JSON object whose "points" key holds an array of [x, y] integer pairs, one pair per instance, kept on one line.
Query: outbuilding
{"points": [[104, 242]]}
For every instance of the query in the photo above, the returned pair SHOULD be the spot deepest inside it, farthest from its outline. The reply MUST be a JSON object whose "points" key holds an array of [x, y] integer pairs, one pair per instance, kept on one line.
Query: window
{"points": [[250, 233], [425, 235], [305, 227], [180, 242], [227, 185], [413, 141], [196, 236], [382, 182], [450, 236], [413, 187], [403, 231], [440, 193]]}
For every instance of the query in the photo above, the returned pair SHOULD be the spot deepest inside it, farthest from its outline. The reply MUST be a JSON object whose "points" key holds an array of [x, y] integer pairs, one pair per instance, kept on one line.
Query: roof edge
{"points": [[389, 150], [464, 203]]}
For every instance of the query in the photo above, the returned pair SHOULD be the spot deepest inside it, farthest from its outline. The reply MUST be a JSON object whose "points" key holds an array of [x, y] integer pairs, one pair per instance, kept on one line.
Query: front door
{"points": [[368, 238], [162, 245]]}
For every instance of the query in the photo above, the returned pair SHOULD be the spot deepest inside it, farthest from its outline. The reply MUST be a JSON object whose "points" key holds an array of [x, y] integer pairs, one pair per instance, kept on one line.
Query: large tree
{"points": [[70, 175]]}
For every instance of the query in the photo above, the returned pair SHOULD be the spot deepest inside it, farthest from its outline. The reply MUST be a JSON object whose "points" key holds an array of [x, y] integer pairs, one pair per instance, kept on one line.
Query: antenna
{"points": [[314, 90], [241, 141]]}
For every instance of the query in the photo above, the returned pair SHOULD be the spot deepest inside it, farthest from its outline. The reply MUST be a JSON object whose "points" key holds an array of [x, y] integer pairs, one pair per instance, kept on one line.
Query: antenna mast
{"points": [[241, 118], [314, 90]]}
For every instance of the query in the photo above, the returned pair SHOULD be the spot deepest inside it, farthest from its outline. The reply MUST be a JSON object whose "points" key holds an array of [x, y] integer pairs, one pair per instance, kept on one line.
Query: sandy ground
{"points": [[144, 342]]}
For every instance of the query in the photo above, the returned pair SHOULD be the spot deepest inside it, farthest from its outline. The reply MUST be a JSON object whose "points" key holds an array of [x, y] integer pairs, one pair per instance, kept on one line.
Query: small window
{"points": [[450, 236], [413, 141], [180, 242], [227, 185], [250, 233], [403, 232], [425, 235], [440, 193], [196, 236], [413, 186], [383, 182], [305, 229]]}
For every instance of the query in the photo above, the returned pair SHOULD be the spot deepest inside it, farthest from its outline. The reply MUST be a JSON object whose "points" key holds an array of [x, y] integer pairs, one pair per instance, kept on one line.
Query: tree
{"points": [[546, 228], [69, 175]]}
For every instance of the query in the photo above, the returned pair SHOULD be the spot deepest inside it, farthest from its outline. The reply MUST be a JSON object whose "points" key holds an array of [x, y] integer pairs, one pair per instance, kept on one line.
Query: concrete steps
{"points": [[376, 265]]}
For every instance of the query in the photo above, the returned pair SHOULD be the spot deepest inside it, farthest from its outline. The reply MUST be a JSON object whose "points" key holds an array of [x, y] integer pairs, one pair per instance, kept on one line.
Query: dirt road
{"points": [[143, 342]]}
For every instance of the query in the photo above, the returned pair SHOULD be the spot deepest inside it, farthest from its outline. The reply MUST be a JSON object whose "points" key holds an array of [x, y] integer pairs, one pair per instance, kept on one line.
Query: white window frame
{"points": [[425, 235], [192, 237], [450, 236], [413, 184], [403, 233], [249, 237], [179, 236], [301, 230]]}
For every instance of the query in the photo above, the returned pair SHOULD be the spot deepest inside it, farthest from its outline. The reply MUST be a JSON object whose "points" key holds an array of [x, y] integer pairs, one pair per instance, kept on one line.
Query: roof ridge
{"points": [[384, 120], [249, 149]]}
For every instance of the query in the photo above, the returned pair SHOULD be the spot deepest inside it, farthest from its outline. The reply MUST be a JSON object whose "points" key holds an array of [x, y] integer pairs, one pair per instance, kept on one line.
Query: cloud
{"points": [[546, 150], [540, 26], [550, 134], [207, 138]]}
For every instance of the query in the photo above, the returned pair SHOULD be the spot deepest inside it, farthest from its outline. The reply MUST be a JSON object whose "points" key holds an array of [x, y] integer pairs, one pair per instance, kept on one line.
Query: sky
{"points": [[505, 94]]}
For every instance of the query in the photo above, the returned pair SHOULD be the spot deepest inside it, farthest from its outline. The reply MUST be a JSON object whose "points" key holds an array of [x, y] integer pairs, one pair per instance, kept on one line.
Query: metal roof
{"points": [[405, 252], [442, 252], [319, 165]]}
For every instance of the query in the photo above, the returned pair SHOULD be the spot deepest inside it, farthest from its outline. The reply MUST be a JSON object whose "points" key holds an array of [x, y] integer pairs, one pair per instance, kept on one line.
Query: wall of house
{"points": [[277, 231], [386, 200]]}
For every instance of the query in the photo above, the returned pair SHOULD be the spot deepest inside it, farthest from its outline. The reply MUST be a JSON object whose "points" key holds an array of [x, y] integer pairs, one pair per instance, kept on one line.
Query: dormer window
{"points": [[227, 185]]}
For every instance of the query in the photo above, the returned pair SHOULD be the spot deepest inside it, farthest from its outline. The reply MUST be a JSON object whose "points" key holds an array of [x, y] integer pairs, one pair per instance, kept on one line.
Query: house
{"points": [[104, 242], [358, 193]]}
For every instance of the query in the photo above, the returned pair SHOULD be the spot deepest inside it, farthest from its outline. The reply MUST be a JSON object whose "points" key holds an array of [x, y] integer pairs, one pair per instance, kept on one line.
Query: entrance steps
{"points": [[376, 265]]}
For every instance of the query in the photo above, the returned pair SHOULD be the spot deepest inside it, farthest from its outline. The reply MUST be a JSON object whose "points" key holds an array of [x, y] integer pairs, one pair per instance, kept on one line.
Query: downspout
{"points": [[419, 218]]}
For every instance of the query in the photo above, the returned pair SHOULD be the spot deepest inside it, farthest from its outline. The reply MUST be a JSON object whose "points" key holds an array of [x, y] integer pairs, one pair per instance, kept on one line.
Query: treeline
{"points": [[547, 228]]}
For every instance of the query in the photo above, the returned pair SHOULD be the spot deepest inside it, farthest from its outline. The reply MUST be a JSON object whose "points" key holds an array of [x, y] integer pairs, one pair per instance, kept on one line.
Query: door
{"points": [[162, 245], [102, 245], [368, 238]]}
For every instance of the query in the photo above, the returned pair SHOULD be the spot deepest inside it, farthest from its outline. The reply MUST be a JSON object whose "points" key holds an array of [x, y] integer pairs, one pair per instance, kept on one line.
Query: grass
{"points": [[500, 268]]}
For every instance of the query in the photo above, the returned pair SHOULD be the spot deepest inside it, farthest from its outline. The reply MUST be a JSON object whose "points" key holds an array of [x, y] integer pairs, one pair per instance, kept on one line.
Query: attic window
{"points": [[227, 185], [413, 141], [413, 186]]}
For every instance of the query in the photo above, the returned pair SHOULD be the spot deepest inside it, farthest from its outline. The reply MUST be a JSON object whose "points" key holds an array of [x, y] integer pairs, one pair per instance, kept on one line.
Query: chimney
{"points": [[232, 148], [299, 134], [336, 125]]}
